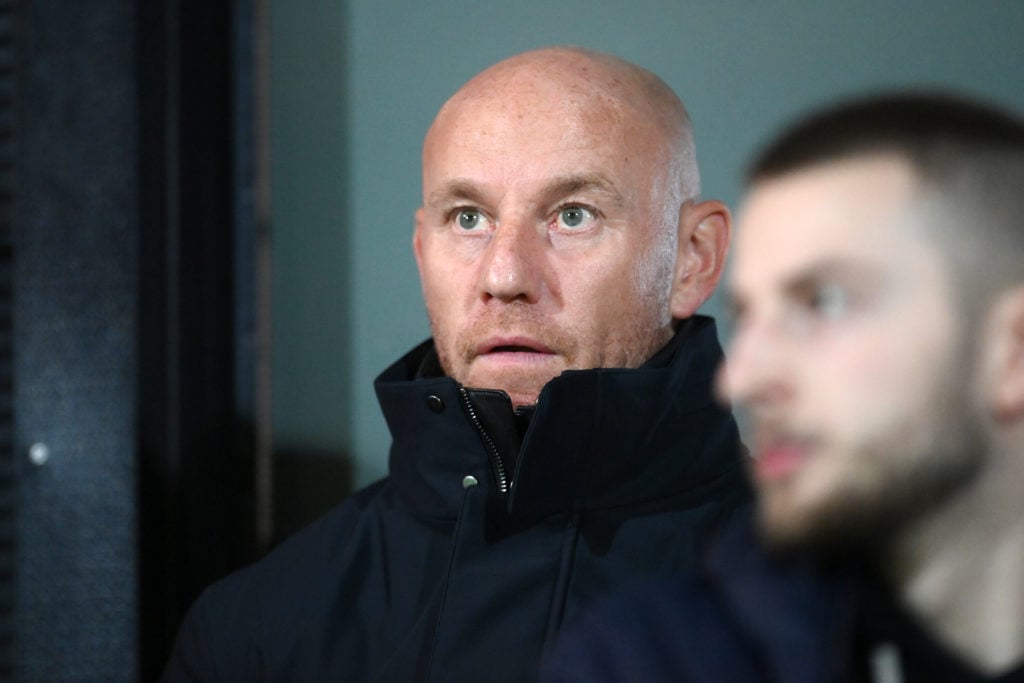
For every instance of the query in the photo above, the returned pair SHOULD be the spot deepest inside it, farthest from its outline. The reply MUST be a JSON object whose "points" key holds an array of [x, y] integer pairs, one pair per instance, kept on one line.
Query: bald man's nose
{"points": [[513, 267]]}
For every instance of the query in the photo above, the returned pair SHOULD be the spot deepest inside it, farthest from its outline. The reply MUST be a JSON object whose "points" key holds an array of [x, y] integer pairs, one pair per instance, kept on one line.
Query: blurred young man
{"points": [[879, 350], [557, 436]]}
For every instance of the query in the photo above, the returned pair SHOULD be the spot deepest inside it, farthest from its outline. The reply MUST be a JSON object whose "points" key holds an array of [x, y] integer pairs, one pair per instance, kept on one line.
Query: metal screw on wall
{"points": [[38, 453]]}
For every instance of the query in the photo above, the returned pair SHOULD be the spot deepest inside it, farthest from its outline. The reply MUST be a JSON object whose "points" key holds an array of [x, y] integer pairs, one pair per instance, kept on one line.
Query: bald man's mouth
{"points": [[512, 346]]}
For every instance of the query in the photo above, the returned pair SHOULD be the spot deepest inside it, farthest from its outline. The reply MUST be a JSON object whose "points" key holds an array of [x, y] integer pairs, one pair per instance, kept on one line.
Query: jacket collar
{"points": [[598, 438]]}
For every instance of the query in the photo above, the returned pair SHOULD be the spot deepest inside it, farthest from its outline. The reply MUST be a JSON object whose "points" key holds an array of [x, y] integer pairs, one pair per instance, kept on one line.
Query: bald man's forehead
{"points": [[580, 107], [594, 98], [542, 123]]}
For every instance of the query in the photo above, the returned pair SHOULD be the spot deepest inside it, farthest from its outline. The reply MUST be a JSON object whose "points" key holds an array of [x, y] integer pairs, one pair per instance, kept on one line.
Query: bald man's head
{"points": [[560, 228], [546, 79]]}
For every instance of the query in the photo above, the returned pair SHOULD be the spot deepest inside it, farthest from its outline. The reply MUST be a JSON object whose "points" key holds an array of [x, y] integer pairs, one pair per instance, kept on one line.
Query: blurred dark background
{"points": [[133, 263]]}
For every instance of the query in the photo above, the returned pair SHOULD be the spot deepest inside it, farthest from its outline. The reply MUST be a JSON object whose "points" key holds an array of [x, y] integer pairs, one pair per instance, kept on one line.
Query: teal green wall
{"points": [[354, 87]]}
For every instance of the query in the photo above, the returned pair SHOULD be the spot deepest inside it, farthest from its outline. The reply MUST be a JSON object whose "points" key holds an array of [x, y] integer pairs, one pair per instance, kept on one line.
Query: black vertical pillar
{"points": [[200, 325]]}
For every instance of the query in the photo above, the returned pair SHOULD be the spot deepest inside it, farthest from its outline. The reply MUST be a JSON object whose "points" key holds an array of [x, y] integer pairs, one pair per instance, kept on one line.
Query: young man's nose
{"points": [[755, 369]]}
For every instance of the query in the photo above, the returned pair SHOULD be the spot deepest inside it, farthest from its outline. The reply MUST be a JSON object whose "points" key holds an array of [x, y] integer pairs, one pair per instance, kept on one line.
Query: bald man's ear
{"points": [[1003, 360], [417, 248], [705, 229]]}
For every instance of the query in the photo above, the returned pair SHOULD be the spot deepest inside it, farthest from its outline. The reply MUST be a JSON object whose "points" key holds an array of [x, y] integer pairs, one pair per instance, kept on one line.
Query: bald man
{"points": [[557, 435]]}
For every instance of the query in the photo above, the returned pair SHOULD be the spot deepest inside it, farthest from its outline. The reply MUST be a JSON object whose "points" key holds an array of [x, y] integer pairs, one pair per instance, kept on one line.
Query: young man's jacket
{"points": [[465, 562], [747, 617]]}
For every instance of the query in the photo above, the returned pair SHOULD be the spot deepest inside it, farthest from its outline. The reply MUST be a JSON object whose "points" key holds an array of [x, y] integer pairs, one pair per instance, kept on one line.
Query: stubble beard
{"points": [[896, 486], [630, 347], [457, 350]]}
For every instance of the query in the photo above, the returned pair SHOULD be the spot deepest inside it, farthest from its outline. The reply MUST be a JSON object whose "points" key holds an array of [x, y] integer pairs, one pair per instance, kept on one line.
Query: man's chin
{"points": [[828, 534]]}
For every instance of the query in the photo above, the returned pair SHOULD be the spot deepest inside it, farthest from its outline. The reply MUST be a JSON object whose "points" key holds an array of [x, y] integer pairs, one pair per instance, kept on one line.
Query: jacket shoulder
{"points": [[220, 636]]}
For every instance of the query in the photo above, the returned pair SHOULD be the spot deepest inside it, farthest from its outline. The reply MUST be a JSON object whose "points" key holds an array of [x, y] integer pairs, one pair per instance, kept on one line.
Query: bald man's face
{"points": [[543, 242]]}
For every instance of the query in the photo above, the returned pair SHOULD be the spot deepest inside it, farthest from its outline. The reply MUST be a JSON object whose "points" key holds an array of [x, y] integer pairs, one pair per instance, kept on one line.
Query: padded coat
{"points": [[451, 570]]}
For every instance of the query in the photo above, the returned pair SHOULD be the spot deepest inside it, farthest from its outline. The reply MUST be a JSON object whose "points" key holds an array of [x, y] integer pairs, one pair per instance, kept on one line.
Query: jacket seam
{"points": [[560, 594], [453, 553]]}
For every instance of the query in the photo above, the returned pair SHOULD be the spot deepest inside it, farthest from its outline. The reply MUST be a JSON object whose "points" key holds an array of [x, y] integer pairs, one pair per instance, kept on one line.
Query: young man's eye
{"points": [[574, 218], [830, 301]]}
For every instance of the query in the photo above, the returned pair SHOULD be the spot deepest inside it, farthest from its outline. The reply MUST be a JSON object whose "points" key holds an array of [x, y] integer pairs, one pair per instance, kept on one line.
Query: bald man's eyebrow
{"points": [[457, 190], [585, 183], [465, 190]]}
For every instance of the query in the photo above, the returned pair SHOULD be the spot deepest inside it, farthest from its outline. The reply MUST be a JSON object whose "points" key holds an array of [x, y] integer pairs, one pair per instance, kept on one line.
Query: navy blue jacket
{"points": [[745, 617], [465, 562]]}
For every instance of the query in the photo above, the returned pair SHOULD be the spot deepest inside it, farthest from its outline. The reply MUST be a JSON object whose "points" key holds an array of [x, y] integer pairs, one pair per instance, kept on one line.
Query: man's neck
{"points": [[960, 570]]}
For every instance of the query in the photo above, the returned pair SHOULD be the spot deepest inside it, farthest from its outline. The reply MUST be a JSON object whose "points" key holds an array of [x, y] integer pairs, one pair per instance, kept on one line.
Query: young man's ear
{"points": [[705, 229], [1004, 356]]}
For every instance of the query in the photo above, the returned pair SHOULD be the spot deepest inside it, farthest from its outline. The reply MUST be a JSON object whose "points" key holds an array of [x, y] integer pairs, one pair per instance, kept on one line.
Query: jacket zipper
{"points": [[497, 466]]}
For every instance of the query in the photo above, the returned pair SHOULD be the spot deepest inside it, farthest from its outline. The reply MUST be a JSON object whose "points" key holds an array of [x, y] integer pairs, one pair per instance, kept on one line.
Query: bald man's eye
{"points": [[469, 219], [572, 218]]}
